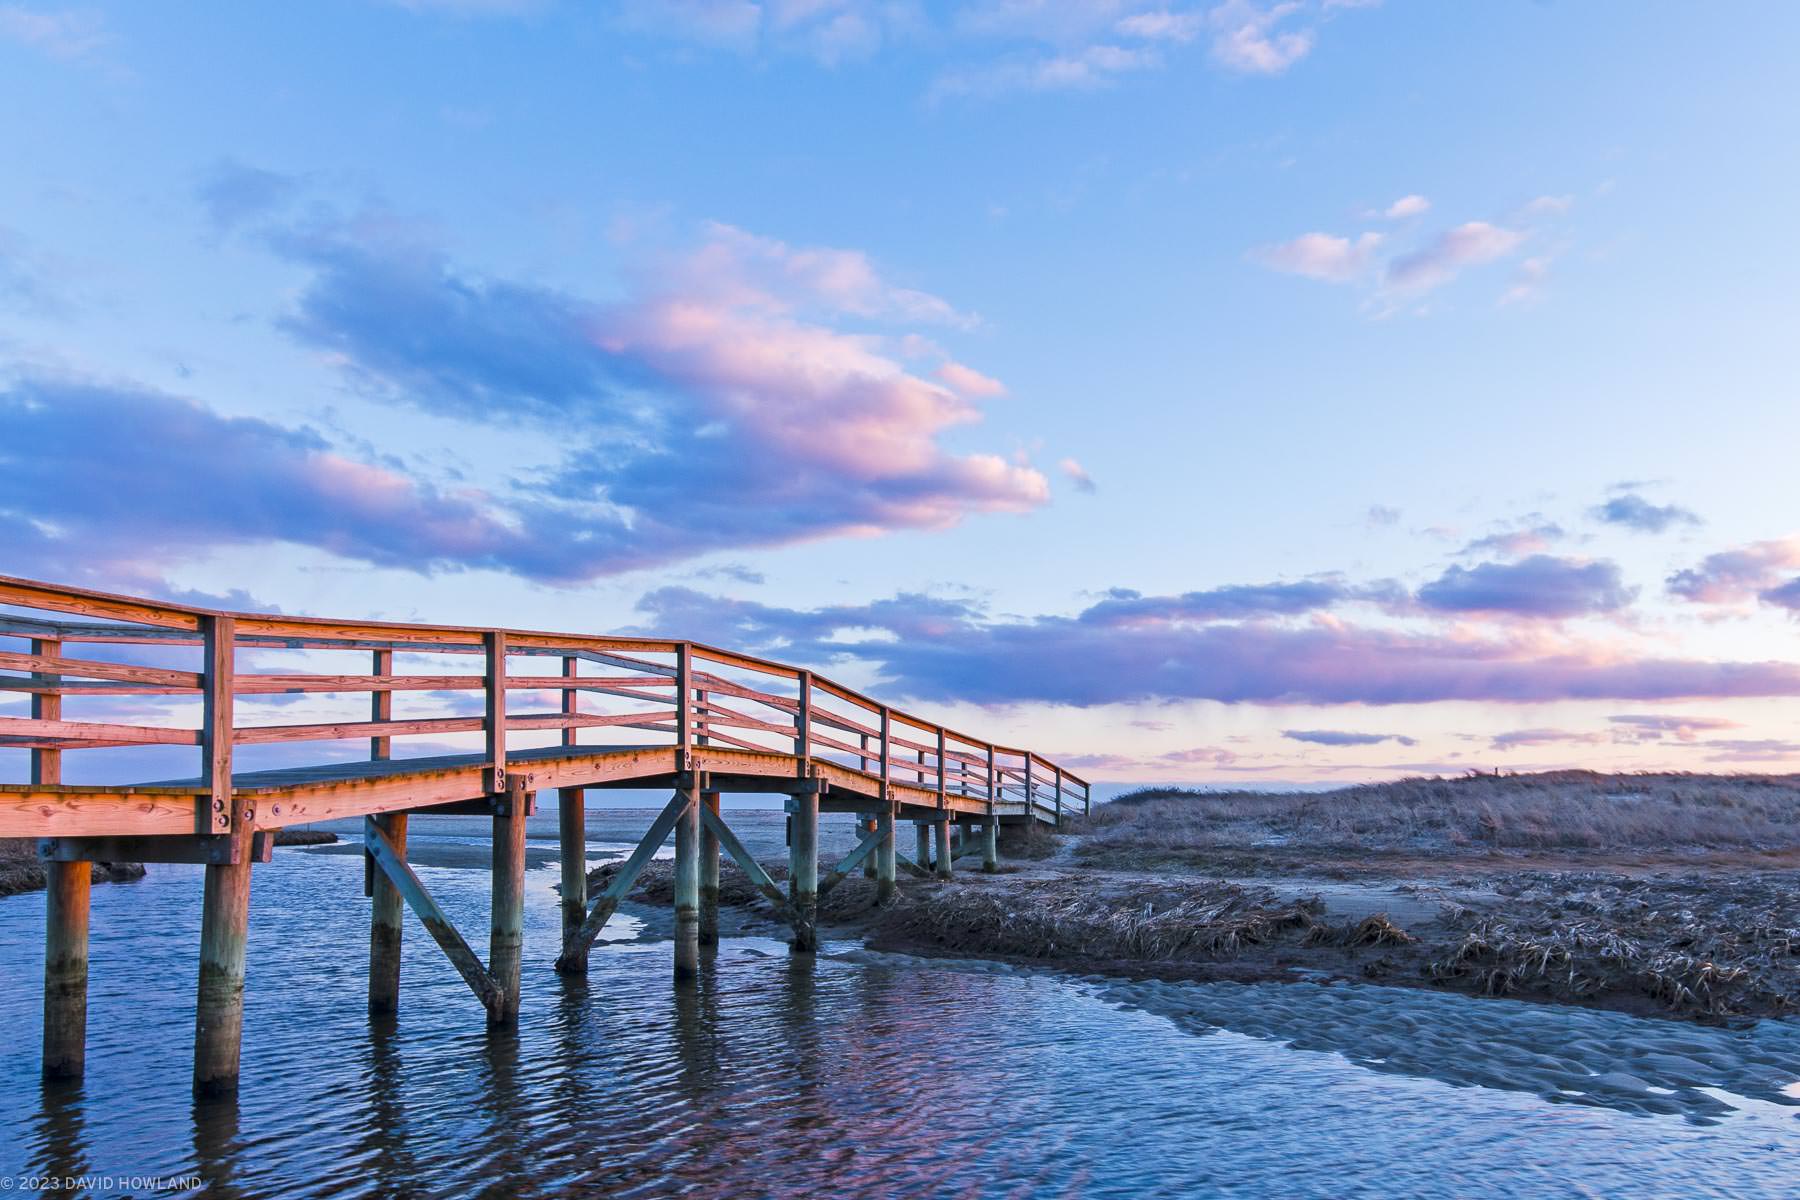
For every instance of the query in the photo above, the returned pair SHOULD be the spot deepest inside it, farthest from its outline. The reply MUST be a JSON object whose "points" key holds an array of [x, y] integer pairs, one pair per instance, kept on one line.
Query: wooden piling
{"points": [[225, 901], [709, 874], [941, 825], [387, 917], [884, 854], [803, 871], [66, 969], [866, 825], [219, 1007], [922, 834], [571, 831], [506, 932], [687, 888]]}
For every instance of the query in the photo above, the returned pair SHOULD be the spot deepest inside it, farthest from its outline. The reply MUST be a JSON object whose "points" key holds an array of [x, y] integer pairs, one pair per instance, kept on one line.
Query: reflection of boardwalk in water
{"points": [[614, 713]]}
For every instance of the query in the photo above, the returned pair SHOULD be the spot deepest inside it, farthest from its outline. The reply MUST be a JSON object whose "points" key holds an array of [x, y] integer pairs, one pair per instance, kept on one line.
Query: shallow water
{"points": [[857, 1074]]}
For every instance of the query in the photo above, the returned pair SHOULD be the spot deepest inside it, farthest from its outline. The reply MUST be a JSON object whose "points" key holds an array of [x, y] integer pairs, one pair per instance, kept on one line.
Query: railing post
{"points": [[684, 692], [990, 850], [1059, 822], [803, 722], [1087, 799], [570, 697], [1030, 790], [46, 765], [887, 757], [219, 636], [381, 706], [940, 768], [494, 681]]}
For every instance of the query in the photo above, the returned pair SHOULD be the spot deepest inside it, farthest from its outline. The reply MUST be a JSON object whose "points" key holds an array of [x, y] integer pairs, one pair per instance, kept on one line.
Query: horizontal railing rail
{"points": [[229, 696]]}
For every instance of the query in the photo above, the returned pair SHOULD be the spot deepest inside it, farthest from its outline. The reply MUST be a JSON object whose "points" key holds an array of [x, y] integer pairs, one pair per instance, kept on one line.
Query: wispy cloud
{"points": [[1321, 256], [1532, 538], [1339, 737], [933, 648], [999, 46], [1395, 277], [1077, 475], [1654, 727], [1413, 205], [1738, 575], [64, 34], [1539, 586], [1470, 244], [1632, 511]]}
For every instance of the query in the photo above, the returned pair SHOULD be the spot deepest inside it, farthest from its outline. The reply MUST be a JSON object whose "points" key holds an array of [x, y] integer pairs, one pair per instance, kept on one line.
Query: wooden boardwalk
{"points": [[607, 712]]}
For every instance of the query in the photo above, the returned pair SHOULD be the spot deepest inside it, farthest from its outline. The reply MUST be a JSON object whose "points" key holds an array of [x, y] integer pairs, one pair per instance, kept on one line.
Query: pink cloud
{"points": [[1321, 256], [1470, 244], [1738, 575]]}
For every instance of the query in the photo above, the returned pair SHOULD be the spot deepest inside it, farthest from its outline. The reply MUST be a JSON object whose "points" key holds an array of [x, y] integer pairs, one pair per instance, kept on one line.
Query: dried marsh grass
{"points": [[1559, 810]]}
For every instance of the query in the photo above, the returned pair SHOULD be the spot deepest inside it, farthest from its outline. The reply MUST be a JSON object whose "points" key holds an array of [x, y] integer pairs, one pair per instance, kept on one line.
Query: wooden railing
{"points": [[224, 682]]}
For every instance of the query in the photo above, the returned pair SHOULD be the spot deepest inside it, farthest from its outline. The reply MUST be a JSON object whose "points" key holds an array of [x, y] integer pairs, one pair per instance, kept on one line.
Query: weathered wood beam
{"points": [[575, 948], [571, 834], [760, 878], [849, 862], [381, 706], [387, 913], [941, 836], [709, 870], [803, 870], [437, 922], [209, 849], [66, 969], [494, 719], [506, 930], [910, 867], [219, 660], [687, 887], [50, 663]]}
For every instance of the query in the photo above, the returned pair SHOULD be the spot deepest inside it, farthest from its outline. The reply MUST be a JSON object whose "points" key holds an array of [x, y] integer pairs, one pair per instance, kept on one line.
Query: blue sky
{"points": [[1217, 391]]}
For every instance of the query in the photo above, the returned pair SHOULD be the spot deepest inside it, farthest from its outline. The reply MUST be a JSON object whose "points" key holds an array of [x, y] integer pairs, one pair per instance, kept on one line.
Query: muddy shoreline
{"points": [[1706, 940]]}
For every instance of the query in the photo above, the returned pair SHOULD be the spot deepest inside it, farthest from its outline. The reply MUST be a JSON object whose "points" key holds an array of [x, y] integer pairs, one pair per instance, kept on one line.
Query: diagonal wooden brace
{"points": [[575, 947], [759, 877], [437, 923], [850, 861], [908, 865]]}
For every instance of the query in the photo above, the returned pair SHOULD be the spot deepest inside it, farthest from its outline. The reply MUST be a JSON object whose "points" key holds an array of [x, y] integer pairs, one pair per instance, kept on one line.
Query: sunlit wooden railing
{"points": [[223, 682]]}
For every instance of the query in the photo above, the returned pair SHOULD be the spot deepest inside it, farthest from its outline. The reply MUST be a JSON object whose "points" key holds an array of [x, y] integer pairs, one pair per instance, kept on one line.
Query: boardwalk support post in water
{"points": [[571, 830], [803, 870], [65, 911], [709, 870], [922, 834], [225, 902], [687, 885], [608, 901], [506, 929], [387, 917], [941, 828], [884, 854], [66, 969], [436, 922]]}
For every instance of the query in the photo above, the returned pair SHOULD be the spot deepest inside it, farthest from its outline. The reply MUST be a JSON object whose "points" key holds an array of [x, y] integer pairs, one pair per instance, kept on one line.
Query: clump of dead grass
{"points": [[1052, 920]]}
